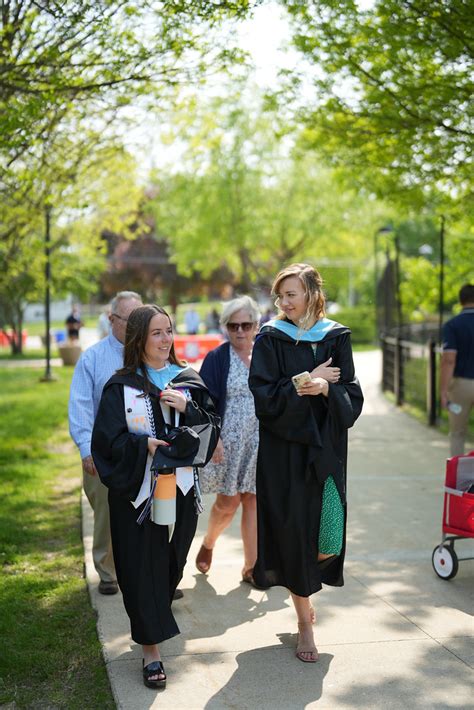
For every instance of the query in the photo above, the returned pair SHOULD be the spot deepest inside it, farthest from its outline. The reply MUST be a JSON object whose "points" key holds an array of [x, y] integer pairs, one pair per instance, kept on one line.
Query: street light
{"points": [[383, 230], [396, 242], [441, 279]]}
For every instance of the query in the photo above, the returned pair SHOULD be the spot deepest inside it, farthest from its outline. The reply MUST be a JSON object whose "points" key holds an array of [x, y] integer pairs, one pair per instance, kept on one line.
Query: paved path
{"points": [[394, 637]]}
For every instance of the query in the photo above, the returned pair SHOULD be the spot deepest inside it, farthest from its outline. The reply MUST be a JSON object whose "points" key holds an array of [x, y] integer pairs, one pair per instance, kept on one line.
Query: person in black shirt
{"points": [[74, 324], [457, 370]]}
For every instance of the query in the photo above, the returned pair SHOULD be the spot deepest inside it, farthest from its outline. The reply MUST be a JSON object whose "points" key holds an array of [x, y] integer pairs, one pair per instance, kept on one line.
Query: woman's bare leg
{"points": [[302, 607], [220, 517]]}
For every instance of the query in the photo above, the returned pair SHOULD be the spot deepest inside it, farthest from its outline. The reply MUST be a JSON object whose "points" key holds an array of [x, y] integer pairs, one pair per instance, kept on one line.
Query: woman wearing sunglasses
{"points": [[306, 397], [231, 473]]}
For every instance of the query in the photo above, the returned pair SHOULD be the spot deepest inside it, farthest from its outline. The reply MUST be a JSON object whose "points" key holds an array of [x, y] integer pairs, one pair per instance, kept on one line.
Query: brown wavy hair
{"points": [[313, 287], [136, 335]]}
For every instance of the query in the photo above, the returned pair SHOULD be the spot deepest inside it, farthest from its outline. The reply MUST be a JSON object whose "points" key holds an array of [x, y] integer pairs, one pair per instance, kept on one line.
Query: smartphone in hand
{"points": [[301, 379]]}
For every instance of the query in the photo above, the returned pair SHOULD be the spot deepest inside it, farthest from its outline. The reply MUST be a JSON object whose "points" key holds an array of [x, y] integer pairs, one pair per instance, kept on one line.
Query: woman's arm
{"points": [[277, 404], [345, 398]]}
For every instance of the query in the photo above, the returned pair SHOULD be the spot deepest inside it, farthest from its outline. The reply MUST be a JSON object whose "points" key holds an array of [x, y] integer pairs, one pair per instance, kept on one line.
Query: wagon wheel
{"points": [[445, 561]]}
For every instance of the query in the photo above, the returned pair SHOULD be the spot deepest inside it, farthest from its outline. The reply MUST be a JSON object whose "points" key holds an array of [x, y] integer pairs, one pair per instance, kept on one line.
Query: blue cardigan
{"points": [[215, 371]]}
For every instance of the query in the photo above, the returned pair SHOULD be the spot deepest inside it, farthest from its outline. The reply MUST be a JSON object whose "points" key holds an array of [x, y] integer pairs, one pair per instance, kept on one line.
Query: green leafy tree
{"points": [[99, 193], [56, 55], [392, 94], [420, 287], [246, 199], [67, 72]]}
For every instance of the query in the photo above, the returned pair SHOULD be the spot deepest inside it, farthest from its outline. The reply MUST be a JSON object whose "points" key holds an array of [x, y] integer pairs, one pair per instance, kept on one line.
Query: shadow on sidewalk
{"points": [[268, 677], [213, 614]]}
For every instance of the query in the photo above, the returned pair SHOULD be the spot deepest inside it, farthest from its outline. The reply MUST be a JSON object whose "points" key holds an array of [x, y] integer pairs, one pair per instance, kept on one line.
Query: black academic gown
{"points": [[148, 566], [303, 440]]}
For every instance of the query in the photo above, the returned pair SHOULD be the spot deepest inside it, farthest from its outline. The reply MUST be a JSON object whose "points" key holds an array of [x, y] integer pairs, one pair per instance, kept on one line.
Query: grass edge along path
{"points": [[51, 656]]}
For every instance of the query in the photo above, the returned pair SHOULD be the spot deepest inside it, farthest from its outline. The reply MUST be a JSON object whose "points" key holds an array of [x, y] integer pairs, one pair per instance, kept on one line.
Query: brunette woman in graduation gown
{"points": [[301, 466], [149, 565]]}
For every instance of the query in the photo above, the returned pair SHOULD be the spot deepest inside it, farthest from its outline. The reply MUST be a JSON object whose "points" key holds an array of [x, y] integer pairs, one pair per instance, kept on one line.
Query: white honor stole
{"points": [[138, 422]]}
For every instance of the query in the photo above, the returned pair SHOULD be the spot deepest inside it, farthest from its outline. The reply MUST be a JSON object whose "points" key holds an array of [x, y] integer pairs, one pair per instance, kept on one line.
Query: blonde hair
{"points": [[313, 287]]}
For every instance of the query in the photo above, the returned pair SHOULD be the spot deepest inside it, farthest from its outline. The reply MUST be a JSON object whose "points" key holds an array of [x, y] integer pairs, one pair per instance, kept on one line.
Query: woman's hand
{"points": [[318, 385], [218, 455], [154, 443], [174, 398], [330, 374]]}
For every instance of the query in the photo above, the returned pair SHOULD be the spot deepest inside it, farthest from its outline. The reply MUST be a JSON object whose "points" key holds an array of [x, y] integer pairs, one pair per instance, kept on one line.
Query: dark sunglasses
{"points": [[234, 327]]}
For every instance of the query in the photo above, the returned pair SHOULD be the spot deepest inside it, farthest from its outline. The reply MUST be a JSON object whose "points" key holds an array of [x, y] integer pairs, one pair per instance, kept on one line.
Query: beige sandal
{"points": [[247, 576], [307, 654]]}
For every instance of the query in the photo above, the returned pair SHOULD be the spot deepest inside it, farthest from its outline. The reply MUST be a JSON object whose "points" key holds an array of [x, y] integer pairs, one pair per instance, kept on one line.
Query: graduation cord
{"points": [[151, 421], [198, 503], [147, 508], [151, 418]]}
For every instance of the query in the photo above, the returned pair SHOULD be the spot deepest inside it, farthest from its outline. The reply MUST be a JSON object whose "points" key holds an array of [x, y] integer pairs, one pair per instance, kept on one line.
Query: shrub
{"points": [[360, 319]]}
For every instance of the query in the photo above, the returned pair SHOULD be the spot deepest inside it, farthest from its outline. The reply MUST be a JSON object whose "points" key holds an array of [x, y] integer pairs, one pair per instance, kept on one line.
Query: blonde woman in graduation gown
{"points": [[301, 464]]}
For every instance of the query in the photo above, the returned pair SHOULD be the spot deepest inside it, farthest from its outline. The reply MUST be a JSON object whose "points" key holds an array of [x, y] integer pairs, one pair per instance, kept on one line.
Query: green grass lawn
{"points": [[28, 354], [51, 657], [39, 328]]}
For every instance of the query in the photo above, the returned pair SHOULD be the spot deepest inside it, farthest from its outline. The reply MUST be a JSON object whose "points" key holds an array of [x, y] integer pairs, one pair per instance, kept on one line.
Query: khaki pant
{"points": [[460, 391], [102, 554]]}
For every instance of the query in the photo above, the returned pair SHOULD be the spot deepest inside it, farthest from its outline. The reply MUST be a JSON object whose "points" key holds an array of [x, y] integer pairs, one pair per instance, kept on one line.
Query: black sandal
{"points": [[154, 668]]}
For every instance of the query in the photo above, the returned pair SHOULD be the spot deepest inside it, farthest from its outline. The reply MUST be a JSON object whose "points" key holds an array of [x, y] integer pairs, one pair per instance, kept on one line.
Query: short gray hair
{"points": [[124, 296], [243, 303]]}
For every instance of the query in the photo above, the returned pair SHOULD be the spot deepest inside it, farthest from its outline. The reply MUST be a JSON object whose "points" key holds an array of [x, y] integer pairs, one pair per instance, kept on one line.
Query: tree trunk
{"points": [[19, 330], [245, 279]]}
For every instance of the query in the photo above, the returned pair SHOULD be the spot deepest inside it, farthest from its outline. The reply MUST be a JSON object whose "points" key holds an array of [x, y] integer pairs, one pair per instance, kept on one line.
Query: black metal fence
{"points": [[409, 370]]}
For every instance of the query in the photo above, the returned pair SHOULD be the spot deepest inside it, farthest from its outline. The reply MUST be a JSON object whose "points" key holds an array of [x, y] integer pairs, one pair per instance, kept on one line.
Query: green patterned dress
{"points": [[331, 527]]}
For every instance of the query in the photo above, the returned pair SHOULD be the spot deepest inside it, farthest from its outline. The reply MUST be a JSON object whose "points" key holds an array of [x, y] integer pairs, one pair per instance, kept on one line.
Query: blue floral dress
{"points": [[239, 435]]}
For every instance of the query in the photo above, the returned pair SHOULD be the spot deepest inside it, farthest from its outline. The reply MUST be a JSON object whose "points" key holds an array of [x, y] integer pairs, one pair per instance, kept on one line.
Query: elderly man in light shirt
{"points": [[95, 367]]}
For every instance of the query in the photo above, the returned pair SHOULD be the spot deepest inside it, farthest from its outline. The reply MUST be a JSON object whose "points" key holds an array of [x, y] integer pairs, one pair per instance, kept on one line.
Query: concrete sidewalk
{"points": [[395, 636]]}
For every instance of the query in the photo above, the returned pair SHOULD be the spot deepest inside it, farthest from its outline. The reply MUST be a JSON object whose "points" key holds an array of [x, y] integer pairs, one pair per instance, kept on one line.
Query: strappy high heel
{"points": [[302, 652]]}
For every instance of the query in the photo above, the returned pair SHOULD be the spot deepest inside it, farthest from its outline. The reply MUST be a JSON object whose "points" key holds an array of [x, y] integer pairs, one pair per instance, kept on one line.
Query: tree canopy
{"points": [[245, 198], [54, 55], [67, 71], [392, 93]]}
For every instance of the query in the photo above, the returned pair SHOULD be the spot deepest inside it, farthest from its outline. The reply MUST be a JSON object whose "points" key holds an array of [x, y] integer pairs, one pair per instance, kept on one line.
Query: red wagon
{"points": [[458, 514]]}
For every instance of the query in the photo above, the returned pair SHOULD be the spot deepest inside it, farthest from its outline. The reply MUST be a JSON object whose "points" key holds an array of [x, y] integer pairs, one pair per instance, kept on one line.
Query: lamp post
{"points": [[397, 282], [383, 230], [441, 279], [47, 377]]}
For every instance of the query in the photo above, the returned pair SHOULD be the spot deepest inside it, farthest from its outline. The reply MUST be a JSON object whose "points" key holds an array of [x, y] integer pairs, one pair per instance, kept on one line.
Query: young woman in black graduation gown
{"points": [[301, 467], [149, 565]]}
